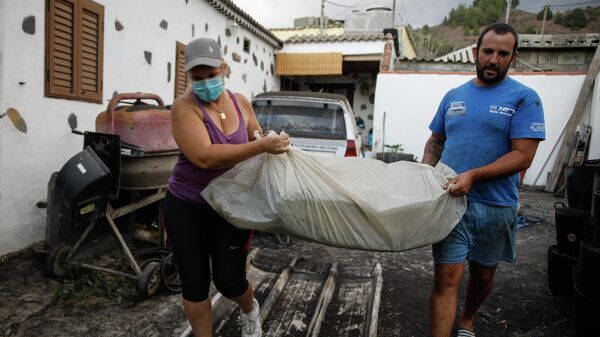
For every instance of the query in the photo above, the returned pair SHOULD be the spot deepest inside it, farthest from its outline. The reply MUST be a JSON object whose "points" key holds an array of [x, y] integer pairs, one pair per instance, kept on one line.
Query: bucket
{"points": [[586, 312], [588, 270], [572, 225], [580, 180], [560, 272]]}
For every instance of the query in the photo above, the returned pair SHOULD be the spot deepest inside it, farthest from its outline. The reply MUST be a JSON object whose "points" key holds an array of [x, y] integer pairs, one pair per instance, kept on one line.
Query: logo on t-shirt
{"points": [[502, 110], [457, 109], [537, 127]]}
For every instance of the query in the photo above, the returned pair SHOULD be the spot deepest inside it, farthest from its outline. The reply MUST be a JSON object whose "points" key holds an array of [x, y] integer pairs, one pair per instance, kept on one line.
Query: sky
{"points": [[281, 13]]}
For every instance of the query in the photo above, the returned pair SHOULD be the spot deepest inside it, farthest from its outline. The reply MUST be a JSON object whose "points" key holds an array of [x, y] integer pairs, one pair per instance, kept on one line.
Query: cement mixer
{"points": [[114, 184]]}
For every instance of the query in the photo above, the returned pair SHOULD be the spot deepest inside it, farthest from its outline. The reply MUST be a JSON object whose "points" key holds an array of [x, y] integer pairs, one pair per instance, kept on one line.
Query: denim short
{"points": [[486, 234]]}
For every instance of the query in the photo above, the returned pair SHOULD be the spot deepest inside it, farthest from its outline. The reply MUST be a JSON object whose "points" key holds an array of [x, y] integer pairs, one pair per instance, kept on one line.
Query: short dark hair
{"points": [[501, 29]]}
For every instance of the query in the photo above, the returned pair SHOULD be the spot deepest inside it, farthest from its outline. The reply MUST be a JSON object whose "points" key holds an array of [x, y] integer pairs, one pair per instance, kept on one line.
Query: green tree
{"points": [[530, 30], [558, 18], [575, 19], [514, 4], [549, 15]]}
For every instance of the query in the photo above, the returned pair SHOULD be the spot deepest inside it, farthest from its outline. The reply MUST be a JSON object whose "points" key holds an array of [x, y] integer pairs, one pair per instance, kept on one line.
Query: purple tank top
{"points": [[188, 180]]}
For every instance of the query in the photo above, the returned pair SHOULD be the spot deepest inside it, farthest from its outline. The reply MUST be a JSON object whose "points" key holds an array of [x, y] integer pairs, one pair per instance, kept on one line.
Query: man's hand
{"points": [[460, 185]]}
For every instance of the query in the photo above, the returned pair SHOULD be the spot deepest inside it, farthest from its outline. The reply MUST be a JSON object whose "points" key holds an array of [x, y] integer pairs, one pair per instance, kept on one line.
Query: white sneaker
{"points": [[251, 326]]}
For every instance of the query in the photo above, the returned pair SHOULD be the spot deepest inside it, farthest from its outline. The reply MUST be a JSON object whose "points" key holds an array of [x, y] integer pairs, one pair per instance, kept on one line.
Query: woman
{"points": [[212, 128]]}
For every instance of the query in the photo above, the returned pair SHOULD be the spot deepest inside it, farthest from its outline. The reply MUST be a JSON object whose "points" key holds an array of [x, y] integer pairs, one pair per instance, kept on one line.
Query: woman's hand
{"points": [[275, 144]]}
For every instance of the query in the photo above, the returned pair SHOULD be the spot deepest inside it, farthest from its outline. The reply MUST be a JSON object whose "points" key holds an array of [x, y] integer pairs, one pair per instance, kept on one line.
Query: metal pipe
{"points": [[132, 262], [112, 104]]}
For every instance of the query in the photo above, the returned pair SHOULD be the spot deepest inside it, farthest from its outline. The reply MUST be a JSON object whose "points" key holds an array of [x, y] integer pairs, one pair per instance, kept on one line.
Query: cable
{"points": [[530, 66], [560, 5], [340, 5], [346, 10]]}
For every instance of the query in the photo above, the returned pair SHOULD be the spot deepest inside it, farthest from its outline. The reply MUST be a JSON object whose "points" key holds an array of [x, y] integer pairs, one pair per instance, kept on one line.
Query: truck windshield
{"points": [[303, 119]]}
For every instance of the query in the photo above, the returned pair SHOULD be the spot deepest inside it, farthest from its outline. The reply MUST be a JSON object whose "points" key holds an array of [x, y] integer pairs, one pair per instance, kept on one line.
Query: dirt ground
{"points": [[32, 303]]}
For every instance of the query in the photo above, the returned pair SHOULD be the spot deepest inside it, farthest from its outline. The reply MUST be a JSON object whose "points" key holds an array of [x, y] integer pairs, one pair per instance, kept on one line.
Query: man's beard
{"points": [[500, 74]]}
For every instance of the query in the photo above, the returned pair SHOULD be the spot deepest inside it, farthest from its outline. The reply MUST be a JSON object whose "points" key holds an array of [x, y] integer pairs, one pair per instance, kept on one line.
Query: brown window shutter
{"points": [[74, 49], [181, 76], [90, 48], [60, 48]]}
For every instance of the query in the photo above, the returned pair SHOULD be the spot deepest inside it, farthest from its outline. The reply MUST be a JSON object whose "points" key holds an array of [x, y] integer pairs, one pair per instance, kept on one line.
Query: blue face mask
{"points": [[208, 90]]}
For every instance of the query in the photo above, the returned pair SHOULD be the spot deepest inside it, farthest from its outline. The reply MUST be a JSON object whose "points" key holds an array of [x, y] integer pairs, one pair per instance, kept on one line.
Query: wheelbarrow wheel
{"points": [[150, 280], [56, 263]]}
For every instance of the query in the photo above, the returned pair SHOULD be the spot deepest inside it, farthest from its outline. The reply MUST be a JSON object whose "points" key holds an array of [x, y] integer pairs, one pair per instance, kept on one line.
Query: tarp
{"points": [[356, 203]]}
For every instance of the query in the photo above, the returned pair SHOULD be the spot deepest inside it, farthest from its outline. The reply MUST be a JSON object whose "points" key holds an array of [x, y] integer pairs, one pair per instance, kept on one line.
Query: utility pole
{"points": [[544, 21], [507, 10], [394, 14], [322, 15]]}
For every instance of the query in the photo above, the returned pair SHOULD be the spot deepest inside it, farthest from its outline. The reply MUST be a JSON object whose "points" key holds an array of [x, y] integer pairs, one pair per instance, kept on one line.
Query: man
{"points": [[487, 130]]}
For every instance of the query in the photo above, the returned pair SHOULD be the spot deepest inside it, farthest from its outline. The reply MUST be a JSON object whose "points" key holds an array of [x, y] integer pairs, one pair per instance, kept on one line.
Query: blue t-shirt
{"points": [[479, 124]]}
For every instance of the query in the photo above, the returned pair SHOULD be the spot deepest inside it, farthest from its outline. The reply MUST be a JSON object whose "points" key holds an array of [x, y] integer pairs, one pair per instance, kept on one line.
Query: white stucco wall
{"points": [[27, 159], [409, 102], [347, 48]]}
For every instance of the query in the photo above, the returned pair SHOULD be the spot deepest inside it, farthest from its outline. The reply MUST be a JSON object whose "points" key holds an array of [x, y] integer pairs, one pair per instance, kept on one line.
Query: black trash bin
{"points": [[571, 227], [560, 272], [580, 181]]}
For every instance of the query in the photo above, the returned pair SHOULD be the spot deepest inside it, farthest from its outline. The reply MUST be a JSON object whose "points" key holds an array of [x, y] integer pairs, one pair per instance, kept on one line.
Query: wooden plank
{"points": [[89, 71], [569, 138], [63, 63], [60, 69], [68, 23], [63, 84], [326, 294], [64, 6]]}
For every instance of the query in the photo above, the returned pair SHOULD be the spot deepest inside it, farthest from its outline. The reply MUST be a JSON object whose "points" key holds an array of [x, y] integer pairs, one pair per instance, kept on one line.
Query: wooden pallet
{"points": [[305, 298]]}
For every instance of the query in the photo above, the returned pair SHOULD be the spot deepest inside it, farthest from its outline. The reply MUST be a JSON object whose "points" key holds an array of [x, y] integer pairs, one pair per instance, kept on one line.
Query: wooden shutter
{"points": [[181, 76], [91, 29], [74, 49], [60, 47]]}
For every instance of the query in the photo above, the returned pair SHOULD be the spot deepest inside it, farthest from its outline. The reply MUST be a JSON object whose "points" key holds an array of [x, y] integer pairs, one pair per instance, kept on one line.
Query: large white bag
{"points": [[346, 202]]}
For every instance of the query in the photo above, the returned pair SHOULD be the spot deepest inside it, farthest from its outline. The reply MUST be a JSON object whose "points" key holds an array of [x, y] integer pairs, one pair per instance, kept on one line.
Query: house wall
{"points": [[28, 159], [409, 102], [347, 48]]}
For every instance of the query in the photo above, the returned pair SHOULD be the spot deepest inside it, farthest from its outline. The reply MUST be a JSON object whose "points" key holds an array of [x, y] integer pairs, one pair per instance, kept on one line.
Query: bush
{"points": [[531, 30], [575, 19]]}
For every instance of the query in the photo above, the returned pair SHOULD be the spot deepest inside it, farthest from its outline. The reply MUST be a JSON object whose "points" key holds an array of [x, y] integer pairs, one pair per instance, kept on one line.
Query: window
{"points": [[302, 118], [246, 45], [74, 49], [181, 76]]}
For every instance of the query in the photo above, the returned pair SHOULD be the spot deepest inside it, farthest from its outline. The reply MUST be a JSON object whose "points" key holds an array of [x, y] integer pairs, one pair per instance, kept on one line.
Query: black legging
{"points": [[199, 234]]}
